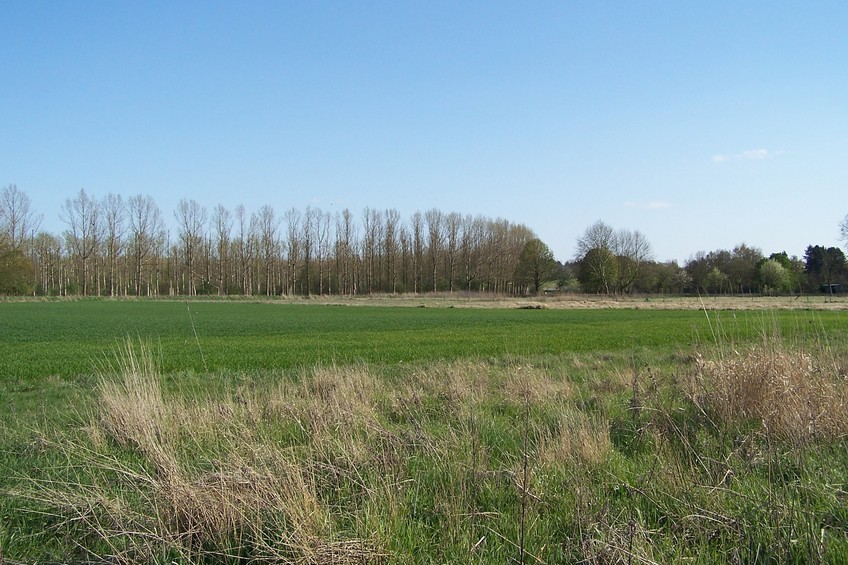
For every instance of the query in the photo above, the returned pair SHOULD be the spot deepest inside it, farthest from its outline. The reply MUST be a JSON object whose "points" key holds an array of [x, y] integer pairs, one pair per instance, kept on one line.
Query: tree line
{"points": [[120, 247], [620, 262], [114, 246]]}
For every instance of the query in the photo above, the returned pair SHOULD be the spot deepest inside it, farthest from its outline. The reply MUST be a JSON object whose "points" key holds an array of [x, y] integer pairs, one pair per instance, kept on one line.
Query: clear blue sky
{"points": [[701, 124]]}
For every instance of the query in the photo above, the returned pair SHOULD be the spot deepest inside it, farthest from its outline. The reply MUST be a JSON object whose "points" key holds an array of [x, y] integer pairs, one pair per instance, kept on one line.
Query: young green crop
{"points": [[68, 339]]}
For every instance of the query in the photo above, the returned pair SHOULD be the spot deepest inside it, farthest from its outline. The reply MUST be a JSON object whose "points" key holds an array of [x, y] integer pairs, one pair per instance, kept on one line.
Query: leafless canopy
{"points": [[17, 220]]}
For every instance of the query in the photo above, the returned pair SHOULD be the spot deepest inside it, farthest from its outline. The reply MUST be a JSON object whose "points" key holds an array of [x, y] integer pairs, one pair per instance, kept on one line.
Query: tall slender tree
{"points": [[372, 227], [434, 219], [345, 246], [471, 248], [391, 234], [453, 222], [146, 234], [294, 240], [114, 217], [84, 235], [417, 251], [191, 220], [49, 257], [268, 234], [309, 243], [222, 226], [323, 248], [244, 251]]}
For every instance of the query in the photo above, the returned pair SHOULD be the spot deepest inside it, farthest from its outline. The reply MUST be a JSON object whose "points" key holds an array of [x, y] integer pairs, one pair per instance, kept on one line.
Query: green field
{"points": [[67, 339], [420, 434]]}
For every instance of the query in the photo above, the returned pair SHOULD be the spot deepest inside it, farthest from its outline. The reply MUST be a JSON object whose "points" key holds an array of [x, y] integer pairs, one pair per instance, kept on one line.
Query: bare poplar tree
{"points": [[114, 217], [48, 253], [293, 246], [471, 244], [417, 250], [345, 245], [18, 222], [498, 242], [453, 221], [433, 217], [244, 251], [405, 242], [267, 230], [145, 238], [322, 249], [222, 224], [84, 233], [191, 220], [390, 247], [372, 225]]}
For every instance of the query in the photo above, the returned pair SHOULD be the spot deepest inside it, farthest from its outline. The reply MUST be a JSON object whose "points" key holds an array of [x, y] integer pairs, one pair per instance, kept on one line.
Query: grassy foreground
{"points": [[421, 435]]}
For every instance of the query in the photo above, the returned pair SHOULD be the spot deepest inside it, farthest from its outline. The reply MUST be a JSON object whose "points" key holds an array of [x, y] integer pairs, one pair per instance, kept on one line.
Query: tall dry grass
{"points": [[180, 496], [795, 393], [582, 439]]}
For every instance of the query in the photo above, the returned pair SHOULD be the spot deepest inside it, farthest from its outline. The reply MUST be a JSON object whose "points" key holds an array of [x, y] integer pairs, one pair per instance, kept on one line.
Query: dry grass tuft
{"points": [[798, 396], [133, 411], [581, 439], [618, 543], [457, 383], [328, 399], [455, 387], [242, 496], [536, 385]]}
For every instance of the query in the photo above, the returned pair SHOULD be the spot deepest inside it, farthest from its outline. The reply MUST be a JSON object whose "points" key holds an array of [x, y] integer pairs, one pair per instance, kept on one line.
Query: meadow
{"points": [[229, 432]]}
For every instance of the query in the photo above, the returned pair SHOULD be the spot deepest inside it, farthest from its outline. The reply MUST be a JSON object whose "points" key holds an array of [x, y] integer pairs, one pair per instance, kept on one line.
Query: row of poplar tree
{"points": [[120, 246]]}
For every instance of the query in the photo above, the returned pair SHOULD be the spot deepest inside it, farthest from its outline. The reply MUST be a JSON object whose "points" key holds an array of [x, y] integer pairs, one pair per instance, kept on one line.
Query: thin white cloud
{"points": [[748, 155], [652, 205], [755, 154]]}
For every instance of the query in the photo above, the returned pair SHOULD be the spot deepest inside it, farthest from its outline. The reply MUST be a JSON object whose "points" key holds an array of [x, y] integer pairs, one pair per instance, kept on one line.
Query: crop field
{"points": [[235, 431], [67, 339]]}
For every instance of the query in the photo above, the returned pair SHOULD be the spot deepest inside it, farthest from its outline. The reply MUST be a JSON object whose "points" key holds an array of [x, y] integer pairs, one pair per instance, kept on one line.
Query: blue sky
{"points": [[701, 124]]}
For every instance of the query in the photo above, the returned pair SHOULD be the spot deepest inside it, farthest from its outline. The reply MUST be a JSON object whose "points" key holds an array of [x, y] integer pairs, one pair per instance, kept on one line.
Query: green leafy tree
{"points": [[681, 281], [738, 266], [598, 270], [16, 271], [774, 277], [536, 265], [567, 277], [824, 266], [717, 281], [742, 268], [781, 258], [794, 272]]}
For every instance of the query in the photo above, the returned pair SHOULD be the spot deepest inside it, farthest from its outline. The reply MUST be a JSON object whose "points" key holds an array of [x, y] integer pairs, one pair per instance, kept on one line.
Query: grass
{"points": [[664, 445], [239, 336]]}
